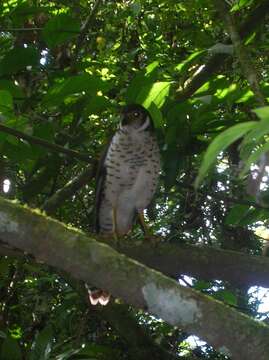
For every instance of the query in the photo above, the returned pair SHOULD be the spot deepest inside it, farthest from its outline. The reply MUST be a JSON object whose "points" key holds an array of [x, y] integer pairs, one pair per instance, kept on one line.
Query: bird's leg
{"points": [[114, 222], [155, 240], [143, 224]]}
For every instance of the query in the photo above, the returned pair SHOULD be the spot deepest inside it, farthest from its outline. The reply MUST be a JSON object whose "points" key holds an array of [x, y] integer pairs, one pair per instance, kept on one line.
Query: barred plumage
{"points": [[128, 173]]}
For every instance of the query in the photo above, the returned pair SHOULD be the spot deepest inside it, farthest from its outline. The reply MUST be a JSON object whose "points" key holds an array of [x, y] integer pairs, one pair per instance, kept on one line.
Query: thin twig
{"points": [[20, 29], [83, 32], [69, 189], [50, 146]]}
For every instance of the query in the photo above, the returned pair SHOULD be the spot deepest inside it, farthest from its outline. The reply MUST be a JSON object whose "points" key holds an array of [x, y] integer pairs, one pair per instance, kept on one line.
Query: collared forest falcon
{"points": [[127, 179], [128, 173]]}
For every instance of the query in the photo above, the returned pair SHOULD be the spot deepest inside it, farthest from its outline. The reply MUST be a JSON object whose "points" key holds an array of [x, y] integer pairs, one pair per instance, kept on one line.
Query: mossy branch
{"points": [[70, 250], [207, 263]]}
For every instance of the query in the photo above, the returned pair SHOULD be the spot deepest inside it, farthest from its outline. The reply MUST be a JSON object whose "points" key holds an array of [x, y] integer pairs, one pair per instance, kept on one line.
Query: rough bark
{"points": [[86, 259], [206, 263]]}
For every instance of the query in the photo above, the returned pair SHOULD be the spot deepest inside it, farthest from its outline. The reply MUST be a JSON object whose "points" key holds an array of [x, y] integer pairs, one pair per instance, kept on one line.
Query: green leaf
{"points": [[6, 102], [18, 59], [60, 29], [227, 296], [156, 94], [4, 267], [257, 134], [44, 131], [240, 4], [220, 143], [262, 112], [14, 89], [243, 215], [42, 345], [152, 67], [20, 123], [69, 354], [261, 128], [79, 85], [173, 162], [254, 157], [214, 85], [135, 7], [202, 285], [10, 349], [186, 63], [156, 115], [236, 214], [96, 105], [142, 82]]}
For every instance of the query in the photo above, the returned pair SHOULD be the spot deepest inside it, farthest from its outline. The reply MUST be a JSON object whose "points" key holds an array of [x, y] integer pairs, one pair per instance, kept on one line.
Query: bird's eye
{"points": [[136, 113]]}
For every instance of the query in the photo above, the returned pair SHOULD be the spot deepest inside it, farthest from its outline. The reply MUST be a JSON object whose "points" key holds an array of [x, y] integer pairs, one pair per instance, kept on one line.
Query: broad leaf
{"points": [[227, 296], [10, 349], [42, 345], [254, 157], [186, 63], [75, 85], [156, 94], [6, 102], [220, 143], [240, 4], [156, 115], [60, 29], [18, 59]]}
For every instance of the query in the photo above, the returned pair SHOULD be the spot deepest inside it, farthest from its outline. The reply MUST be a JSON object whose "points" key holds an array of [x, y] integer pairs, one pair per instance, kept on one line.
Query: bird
{"points": [[127, 177]]}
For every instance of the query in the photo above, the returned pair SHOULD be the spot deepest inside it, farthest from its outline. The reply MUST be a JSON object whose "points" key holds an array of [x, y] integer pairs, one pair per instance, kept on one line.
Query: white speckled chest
{"points": [[132, 166]]}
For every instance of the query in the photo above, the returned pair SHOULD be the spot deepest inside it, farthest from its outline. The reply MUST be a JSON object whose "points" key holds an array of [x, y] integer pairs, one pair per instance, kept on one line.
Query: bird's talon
{"points": [[153, 239]]}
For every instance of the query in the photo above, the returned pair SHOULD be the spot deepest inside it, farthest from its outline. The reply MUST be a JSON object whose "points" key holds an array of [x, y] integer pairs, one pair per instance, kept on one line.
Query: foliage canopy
{"points": [[66, 67]]}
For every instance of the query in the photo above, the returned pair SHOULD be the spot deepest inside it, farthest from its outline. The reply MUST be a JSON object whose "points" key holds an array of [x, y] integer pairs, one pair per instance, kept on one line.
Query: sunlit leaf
{"points": [[80, 85], [156, 115], [240, 4], [186, 63], [156, 94]]}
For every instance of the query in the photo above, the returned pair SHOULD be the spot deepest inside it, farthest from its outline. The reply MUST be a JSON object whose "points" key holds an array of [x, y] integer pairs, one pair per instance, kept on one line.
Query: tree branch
{"points": [[70, 250], [46, 144], [242, 55], [21, 29], [56, 200], [216, 62], [205, 263], [140, 343], [83, 32]]}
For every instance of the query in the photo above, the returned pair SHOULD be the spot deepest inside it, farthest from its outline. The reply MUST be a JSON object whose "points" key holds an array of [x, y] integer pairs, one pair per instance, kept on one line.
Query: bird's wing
{"points": [[99, 187]]}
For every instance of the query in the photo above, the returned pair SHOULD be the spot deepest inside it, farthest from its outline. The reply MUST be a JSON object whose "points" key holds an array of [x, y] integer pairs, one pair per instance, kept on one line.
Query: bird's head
{"points": [[135, 117]]}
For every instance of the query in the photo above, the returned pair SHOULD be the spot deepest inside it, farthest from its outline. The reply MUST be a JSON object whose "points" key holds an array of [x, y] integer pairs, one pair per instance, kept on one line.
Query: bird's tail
{"points": [[97, 296]]}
